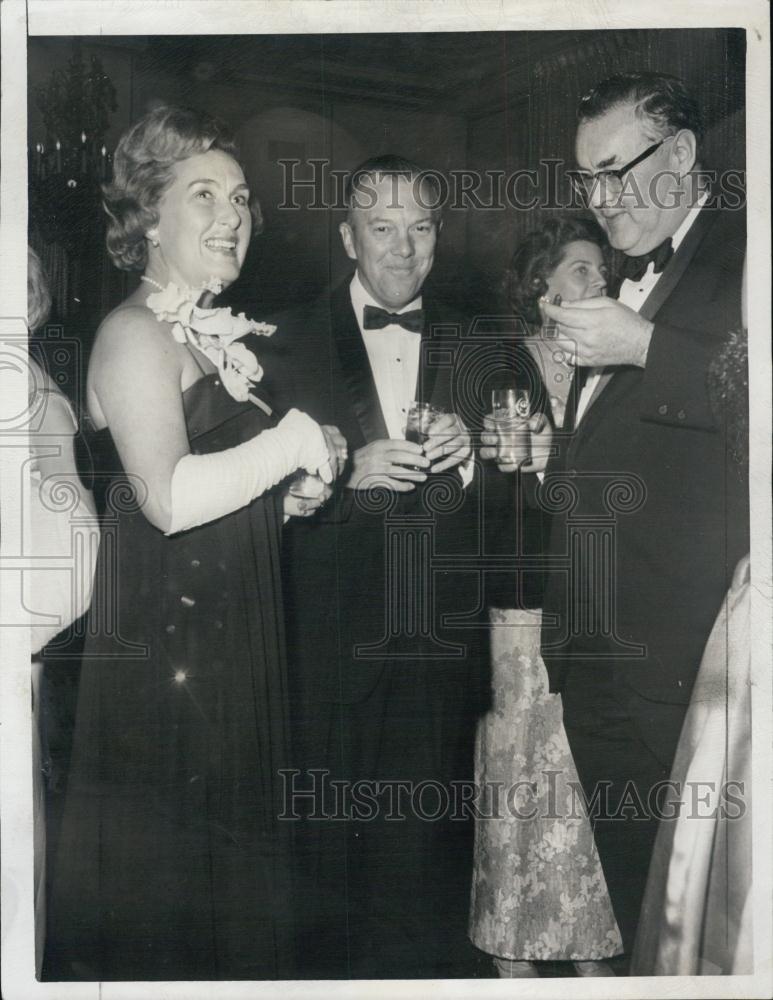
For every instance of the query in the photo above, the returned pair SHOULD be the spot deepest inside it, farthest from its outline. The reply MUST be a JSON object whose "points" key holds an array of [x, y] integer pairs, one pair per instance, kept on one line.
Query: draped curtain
{"points": [[557, 84], [712, 62]]}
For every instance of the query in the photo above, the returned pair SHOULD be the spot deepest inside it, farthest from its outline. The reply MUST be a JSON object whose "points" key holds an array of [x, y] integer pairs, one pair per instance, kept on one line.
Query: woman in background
{"points": [[61, 508], [697, 912], [172, 863], [62, 527], [539, 892]]}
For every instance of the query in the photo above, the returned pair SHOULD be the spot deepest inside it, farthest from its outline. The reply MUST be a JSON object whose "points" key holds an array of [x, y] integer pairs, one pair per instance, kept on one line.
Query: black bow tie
{"points": [[374, 318], [634, 268]]}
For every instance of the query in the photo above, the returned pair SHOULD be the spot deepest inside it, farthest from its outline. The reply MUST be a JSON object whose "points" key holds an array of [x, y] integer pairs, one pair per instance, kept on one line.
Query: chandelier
{"points": [[70, 162]]}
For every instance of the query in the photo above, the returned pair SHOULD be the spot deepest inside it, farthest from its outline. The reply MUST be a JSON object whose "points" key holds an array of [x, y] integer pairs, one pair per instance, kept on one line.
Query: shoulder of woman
{"points": [[132, 335], [58, 415], [39, 379]]}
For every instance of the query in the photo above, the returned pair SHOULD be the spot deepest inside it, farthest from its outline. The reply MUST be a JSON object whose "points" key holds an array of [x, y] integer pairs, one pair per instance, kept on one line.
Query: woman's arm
{"points": [[135, 373], [52, 442], [56, 590], [138, 390]]}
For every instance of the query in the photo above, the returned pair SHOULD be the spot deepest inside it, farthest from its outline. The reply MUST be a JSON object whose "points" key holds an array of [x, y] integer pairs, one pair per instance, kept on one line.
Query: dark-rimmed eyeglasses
{"points": [[585, 182]]}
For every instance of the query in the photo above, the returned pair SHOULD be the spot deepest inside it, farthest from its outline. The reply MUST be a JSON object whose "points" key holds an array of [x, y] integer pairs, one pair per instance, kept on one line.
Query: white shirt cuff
{"points": [[467, 471]]}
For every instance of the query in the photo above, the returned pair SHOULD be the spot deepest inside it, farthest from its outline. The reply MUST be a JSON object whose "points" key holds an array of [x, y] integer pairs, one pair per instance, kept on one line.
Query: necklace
{"points": [[214, 285], [150, 281]]}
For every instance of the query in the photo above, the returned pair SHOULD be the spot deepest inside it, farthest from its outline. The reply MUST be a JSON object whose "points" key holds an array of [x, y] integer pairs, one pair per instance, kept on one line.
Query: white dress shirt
{"points": [[634, 294], [394, 354]]}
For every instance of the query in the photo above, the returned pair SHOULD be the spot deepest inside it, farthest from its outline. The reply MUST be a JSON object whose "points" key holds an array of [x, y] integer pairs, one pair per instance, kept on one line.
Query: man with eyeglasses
{"points": [[656, 524]]}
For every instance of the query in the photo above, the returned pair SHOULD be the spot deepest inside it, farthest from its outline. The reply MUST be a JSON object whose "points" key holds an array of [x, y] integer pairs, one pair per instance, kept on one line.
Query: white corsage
{"points": [[213, 332]]}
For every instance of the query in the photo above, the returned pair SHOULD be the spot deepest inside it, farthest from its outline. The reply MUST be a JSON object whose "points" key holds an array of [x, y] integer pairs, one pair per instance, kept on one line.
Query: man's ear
{"points": [[685, 151], [347, 236]]}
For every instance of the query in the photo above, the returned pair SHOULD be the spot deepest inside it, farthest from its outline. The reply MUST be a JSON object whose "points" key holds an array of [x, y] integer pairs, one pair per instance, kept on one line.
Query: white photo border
{"points": [[189, 17]]}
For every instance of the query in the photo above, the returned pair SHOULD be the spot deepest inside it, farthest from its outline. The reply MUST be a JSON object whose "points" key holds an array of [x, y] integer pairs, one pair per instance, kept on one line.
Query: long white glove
{"points": [[206, 487]]}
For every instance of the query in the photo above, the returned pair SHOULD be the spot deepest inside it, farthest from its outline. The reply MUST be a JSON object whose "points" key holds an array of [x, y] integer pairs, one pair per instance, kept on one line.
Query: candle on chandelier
{"points": [[58, 156], [83, 153]]}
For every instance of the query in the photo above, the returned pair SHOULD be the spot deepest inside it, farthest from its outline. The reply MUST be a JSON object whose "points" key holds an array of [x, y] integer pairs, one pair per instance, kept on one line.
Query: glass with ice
{"points": [[510, 411], [420, 418]]}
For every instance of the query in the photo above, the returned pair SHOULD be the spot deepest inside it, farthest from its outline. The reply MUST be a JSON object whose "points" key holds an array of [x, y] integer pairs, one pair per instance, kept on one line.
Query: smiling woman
{"points": [[204, 220], [151, 151], [170, 863]]}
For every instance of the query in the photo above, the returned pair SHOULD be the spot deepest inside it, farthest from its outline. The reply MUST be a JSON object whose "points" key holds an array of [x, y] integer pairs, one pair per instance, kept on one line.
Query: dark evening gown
{"points": [[172, 863]]}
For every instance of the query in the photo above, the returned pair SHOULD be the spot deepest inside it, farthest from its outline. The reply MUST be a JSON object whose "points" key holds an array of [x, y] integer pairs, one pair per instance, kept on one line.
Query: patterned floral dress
{"points": [[538, 891]]}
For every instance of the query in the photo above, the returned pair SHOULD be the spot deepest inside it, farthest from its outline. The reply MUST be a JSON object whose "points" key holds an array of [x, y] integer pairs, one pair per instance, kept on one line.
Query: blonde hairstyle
{"points": [[38, 294], [142, 172]]}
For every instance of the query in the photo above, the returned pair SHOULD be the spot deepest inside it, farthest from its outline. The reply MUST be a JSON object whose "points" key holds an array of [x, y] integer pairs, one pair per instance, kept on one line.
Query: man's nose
{"points": [[602, 194], [403, 245]]}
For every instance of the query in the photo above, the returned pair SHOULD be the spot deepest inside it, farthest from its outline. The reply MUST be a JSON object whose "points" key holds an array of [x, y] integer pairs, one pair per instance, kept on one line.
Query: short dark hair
{"points": [[539, 254], [142, 171], [664, 99], [391, 165]]}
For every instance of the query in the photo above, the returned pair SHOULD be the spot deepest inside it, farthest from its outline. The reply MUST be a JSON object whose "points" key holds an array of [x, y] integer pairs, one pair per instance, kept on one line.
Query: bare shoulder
{"points": [[131, 328], [57, 414], [134, 357], [131, 337]]}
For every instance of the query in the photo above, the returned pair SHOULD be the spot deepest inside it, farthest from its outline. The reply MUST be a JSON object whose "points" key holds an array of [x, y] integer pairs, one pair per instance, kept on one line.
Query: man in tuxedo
{"points": [[648, 523], [384, 686]]}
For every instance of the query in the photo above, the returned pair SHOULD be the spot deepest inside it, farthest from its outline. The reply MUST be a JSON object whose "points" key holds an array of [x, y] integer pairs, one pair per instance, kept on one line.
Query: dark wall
{"points": [[483, 102]]}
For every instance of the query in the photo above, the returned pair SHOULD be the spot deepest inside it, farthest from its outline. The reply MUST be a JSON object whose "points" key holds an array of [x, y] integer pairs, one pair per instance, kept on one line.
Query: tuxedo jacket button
{"points": [[681, 415], [663, 410]]}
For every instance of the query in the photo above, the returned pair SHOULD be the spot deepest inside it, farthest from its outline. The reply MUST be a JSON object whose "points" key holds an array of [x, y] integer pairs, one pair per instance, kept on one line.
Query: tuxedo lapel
{"points": [[677, 266], [605, 377], [670, 278], [573, 399], [610, 383], [355, 366], [428, 365]]}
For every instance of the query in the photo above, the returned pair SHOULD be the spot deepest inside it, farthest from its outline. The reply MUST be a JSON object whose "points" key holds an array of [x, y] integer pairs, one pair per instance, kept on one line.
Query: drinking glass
{"points": [[510, 410], [421, 417], [306, 486]]}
